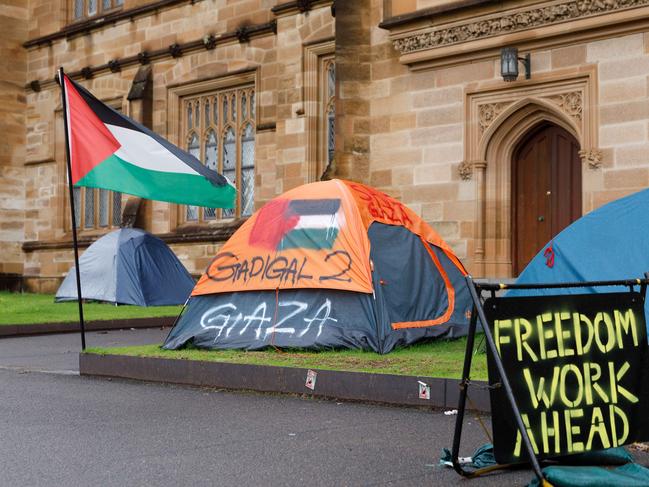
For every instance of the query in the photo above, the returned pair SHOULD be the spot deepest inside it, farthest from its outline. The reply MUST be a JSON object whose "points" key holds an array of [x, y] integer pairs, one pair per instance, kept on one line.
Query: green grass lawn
{"points": [[443, 358], [19, 309]]}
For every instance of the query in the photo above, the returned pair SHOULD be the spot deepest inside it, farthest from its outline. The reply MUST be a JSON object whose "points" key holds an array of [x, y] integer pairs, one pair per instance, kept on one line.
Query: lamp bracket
{"points": [[527, 63]]}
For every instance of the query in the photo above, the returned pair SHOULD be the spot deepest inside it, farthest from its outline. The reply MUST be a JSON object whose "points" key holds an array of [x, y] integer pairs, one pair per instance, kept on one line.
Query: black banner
{"points": [[577, 365]]}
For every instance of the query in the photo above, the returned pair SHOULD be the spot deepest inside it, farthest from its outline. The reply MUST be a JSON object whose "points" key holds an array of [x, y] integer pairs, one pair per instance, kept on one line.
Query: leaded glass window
{"points": [[116, 220], [78, 9], [247, 170], [194, 149], [331, 79], [229, 162], [329, 136], [77, 206], [83, 9], [104, 207], [97, 209], [89, 207], [219, 128], [211, 151], [211, 161]]}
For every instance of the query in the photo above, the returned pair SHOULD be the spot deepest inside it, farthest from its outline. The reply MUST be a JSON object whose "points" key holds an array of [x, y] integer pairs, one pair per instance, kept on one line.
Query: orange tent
{"points": [[367, 255]]}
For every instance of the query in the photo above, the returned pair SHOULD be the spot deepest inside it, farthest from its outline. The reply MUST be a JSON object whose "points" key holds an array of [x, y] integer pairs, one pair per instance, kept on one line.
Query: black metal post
{"points": [[504, 380], [72, 212], [464, 386]]}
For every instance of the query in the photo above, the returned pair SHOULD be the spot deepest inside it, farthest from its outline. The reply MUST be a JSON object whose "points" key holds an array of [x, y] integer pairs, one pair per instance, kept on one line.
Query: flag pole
{"points": [[72, 212]]}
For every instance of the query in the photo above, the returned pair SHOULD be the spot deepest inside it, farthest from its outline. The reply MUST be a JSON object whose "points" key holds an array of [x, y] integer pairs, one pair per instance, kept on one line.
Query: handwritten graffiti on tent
{"points": [[328, 264]]}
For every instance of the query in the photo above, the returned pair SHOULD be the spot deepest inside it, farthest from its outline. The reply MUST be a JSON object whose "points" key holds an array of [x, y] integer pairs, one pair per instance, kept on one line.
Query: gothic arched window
{"points": [[219, 128]]}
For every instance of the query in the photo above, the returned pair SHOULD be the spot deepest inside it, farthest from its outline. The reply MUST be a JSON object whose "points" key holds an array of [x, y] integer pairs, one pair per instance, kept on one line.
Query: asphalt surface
{"points": [[60, 352], [58, 428]]}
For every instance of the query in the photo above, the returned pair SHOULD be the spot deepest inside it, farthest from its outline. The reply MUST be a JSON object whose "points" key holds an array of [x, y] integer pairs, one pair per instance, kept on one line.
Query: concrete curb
{"points": [[73, 326], [356, 386]]}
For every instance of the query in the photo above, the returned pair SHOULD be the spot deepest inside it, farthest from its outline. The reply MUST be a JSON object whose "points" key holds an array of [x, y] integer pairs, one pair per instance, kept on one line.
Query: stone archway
{"points": [[498, 116], [493, 179]]}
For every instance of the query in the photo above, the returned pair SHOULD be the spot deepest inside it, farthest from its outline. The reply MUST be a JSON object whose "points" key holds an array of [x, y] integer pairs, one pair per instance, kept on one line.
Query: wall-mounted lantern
{"points": [[509, 64]]}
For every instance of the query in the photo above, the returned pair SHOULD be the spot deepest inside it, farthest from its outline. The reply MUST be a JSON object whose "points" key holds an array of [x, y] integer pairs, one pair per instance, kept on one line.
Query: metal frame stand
{"points": [[476, 289]]}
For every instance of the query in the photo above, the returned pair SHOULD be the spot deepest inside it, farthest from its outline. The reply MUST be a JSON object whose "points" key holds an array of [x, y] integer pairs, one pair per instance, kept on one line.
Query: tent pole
{"points": [[72, 212], [178, 317]]}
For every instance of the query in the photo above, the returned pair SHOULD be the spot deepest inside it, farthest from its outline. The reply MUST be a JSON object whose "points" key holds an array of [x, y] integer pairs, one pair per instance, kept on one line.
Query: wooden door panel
{"points": [[566, 181], [530, 203], [546, 191]]}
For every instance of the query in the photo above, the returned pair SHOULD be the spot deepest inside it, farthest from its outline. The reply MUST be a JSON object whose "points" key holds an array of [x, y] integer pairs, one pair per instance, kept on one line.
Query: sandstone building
{"points": [[406, 95]]}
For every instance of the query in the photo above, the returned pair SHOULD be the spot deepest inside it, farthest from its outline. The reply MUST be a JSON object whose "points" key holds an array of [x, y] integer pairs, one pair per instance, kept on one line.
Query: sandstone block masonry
{"points": [[421, 111], [259, 42]]}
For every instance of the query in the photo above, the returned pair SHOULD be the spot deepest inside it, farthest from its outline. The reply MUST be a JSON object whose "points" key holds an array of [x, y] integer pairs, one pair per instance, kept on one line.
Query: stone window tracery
{"points": [[218, 128]]}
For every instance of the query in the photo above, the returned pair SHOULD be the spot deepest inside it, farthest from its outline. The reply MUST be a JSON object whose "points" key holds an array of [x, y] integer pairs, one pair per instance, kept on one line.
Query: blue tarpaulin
{"points": [[609, 243], [629, 475]]}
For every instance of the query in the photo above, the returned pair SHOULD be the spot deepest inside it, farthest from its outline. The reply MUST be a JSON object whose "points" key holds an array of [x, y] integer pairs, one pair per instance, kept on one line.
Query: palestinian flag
{"points": [[290, 224], [111, 151]]}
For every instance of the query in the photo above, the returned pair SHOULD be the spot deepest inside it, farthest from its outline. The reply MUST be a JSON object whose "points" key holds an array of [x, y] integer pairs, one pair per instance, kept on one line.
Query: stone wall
{"points": [[13, 59], [276, 59], [434, 127], [423, 149], [393, 8], [623, 72], [354, 24], [286, 168]]}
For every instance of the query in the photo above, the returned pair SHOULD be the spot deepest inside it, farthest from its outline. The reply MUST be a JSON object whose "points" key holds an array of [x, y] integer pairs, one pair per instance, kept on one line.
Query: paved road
{"points": [[63, 429], [60, 352], [69, 430]]}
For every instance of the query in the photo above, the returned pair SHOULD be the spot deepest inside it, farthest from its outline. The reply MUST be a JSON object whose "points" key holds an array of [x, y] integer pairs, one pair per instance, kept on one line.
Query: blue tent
{"points": [[129, 266], [609, 243]]}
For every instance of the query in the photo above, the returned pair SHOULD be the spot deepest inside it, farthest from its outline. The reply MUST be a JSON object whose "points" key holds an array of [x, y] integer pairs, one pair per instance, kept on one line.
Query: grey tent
{"points": [[129, 266]]}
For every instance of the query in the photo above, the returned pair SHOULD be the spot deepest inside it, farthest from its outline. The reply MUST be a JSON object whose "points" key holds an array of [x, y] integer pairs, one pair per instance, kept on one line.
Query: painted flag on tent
{"points": [[111, 151], [289, 224]]}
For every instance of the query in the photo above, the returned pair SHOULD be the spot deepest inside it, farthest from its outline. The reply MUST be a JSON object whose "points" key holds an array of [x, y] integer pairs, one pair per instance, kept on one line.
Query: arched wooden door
{"points": [[546, 190]]}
